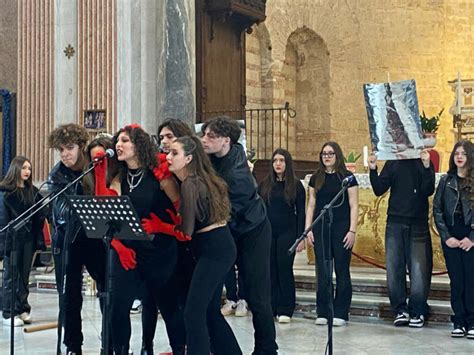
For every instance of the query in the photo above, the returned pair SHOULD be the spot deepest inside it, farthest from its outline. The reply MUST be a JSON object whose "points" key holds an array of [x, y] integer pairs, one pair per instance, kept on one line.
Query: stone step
{"points": [[373, 306], [367, 280]]}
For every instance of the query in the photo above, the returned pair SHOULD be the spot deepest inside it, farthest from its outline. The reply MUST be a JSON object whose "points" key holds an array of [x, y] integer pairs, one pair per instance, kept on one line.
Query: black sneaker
{"points": [[401, 319], [470, 332], [458, 331], [417, 321]]}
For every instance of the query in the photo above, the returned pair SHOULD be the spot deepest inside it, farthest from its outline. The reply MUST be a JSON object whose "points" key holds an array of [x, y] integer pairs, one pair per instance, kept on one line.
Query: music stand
{"points": [[108, 217]]}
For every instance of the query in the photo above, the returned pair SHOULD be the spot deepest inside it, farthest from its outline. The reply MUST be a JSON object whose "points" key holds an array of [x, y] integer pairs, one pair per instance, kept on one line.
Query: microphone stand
{"points": [[328, 261], [19, 222]]}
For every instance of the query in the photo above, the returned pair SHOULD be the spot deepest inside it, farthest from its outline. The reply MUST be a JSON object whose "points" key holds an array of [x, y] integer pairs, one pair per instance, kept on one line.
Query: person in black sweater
{"points": [[324, 185], [454, 218], [17, 194], [248, 224], [407, 237], [285, 198]]}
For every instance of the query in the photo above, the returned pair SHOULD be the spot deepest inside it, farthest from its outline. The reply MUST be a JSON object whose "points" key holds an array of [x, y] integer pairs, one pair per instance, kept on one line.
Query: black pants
{"points": [[460, 266], [253, 262], [216, 253], [24, 256], [342, 260], [234, 286], [157, 274], [282, 278], [83, 252]]}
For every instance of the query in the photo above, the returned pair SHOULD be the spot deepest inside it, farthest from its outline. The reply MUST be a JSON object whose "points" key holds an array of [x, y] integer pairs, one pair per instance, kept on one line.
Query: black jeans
{"points": [[460, 266], [253, 262], [282, 278], [233, 285], [408, 247], [83, 252], [24, 256], [203, 318], [342, 260], [157, 274]]}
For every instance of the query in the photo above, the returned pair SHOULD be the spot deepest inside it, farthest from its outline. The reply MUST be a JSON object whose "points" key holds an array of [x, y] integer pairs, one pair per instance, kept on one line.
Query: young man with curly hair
{"points": [[71, 248]]}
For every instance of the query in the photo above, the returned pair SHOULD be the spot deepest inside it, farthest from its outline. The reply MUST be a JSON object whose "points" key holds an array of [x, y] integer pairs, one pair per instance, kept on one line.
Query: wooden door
{"points": [[220, 57]]}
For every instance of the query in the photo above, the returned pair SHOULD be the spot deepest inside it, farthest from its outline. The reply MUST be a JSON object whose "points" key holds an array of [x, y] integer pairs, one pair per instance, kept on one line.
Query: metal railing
{"points": [[265, 128]]}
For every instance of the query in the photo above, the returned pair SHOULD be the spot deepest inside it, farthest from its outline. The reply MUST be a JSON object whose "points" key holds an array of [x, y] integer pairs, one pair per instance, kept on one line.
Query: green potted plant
{"points": [[350, 161], [429, 126]]}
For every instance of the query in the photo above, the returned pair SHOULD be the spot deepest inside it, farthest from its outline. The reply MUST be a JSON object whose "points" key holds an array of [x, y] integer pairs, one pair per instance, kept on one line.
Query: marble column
{"points": [[155, 61], [65, 69]]}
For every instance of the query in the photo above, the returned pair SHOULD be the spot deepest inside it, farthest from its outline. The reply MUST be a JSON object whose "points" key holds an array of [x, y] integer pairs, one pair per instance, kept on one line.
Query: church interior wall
{"points": [[367, 42]]}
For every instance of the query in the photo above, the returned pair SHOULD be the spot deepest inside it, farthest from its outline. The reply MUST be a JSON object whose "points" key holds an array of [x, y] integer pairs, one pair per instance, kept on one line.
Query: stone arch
{"points": [[306, 81], [259, 89]]}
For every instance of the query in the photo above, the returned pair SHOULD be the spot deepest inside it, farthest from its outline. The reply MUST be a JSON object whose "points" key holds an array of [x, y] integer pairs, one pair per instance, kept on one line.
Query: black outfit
{"points": [[252, 234], [454, 217], [71, 251], [334, 237], [156, 263], [287, 222], [407, 237], [28, 239], [215, 253]]}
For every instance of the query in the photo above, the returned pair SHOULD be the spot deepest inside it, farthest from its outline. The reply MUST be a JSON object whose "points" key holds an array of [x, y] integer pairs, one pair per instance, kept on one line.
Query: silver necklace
{"points": [[131, 177]]}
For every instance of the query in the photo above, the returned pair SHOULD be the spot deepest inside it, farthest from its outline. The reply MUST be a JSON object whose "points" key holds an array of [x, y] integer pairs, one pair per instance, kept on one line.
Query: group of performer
{"points": [[200, 201]]}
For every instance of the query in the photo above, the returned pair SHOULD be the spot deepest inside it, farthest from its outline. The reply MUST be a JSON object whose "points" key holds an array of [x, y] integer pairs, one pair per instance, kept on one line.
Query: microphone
{"points": [[347, 180], [109, 153]]}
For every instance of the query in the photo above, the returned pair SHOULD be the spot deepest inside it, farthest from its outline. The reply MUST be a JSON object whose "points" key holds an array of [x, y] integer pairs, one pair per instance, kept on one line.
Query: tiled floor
{"points": [[300, 337]]}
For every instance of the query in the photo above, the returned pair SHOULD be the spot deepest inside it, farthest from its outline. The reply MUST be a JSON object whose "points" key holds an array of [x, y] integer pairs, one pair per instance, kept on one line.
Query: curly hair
{"points": [[223, 126], [145, 149], [68, 134]]}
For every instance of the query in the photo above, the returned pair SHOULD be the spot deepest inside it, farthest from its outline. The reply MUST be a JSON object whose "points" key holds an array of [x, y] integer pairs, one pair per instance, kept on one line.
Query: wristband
{"points": [[352, 231]]}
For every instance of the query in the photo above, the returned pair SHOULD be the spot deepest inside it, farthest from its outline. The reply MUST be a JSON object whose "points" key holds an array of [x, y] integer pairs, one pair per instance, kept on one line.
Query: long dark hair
{"points": [[178, 127], [289, 178], [13, 177], [144, 147], [467, 183], [200, 165], [339, 166], [105, 142]]}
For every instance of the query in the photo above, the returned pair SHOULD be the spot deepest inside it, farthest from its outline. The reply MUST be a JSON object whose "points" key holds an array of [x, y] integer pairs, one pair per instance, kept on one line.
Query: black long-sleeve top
{"points": [[283, 216], [247, 207], [410, 185]]}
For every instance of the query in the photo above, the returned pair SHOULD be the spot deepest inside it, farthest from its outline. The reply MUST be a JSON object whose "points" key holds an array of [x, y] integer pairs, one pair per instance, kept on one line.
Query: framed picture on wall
{"points": [[94, 120]]}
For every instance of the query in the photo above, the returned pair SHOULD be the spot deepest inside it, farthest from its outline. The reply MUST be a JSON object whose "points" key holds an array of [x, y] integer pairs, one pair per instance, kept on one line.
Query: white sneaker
{"points": [[284, 319], [136, 307], [26, 318], [241, 309], [17, 322], [228, 308], [339, 322], [321, 321]]}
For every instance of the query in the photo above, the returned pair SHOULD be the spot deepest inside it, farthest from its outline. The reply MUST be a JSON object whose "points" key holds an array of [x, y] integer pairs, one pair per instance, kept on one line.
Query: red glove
{"points": [[156, 225], [161, 171], [100, 172], [126, 255]]}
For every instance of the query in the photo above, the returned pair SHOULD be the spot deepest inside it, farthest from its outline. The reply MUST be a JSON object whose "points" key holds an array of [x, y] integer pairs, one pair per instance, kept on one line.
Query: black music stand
{"points": [[108, 217]]}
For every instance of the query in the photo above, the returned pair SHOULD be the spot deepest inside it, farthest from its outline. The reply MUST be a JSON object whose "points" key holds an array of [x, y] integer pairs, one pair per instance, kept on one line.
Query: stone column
{"points": [[155, 61], [65, 69]]}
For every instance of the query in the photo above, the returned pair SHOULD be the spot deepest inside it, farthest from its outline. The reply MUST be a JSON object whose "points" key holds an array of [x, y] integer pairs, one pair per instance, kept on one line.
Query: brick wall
{"points": [[323, 51]]}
